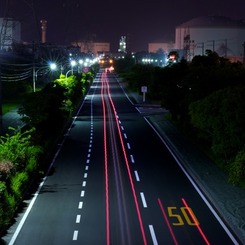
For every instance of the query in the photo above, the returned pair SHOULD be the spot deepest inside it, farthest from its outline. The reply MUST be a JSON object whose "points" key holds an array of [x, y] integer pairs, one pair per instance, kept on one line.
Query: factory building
{"points": [[10, 32], [220, 34]]}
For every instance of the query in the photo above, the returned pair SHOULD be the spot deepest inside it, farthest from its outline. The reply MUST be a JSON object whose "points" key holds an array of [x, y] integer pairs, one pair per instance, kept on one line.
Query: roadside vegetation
{"points": [[25, 152], [205, 99]]}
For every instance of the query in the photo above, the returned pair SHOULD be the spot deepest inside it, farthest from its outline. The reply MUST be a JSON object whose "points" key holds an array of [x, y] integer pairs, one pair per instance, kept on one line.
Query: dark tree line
{"points": [[204, 97]]}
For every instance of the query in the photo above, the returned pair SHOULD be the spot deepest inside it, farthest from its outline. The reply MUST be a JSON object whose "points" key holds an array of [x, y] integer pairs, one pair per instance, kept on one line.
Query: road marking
{"points": [[125, 136], [82, 193], [132, 158], [75, 235], [153, 236], [88, 156], [143, 199], [128, 145], [87, 161], [85, 175], [122, 127], [86, 168], [84, 183], [136, 176], [78, 219], [89, 150], [80, 205]]}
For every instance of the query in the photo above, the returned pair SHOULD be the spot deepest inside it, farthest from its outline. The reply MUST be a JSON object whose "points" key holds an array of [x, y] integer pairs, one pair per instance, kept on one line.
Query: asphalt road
{"points": [[113, 181]]}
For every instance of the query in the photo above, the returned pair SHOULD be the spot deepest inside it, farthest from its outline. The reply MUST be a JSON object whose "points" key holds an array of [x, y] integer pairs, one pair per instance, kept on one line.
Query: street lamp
{"points": [[52, 67], [73, 63], [67, 73]]}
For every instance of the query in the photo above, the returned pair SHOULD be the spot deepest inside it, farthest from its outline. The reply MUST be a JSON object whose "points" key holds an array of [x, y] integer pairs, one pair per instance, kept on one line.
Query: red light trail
{"points": [[105, 83]]}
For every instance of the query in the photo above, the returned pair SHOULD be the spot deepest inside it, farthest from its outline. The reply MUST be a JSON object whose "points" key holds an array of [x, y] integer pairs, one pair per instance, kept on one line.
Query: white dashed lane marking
{"points": [[143, 199]]}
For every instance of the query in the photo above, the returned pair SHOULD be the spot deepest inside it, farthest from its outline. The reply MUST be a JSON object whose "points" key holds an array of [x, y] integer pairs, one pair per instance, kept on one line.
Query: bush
{"points": [[237, 170], [18, 183]]}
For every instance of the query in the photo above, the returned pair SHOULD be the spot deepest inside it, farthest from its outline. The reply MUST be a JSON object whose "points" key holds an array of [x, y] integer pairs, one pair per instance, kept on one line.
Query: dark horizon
{"points": [[73, 20]]}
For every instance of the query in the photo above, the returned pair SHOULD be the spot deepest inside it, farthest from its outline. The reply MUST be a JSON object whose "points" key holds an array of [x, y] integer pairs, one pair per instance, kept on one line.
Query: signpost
{"points": [[144, 90]]}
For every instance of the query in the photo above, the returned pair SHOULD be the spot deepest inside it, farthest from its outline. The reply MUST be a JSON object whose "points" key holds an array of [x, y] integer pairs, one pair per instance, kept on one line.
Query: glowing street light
{"points": [[73, 63], [52, 67]]}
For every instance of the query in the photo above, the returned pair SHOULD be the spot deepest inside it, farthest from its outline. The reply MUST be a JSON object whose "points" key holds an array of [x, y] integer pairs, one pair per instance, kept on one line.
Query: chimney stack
{"points": [[44, 29]]}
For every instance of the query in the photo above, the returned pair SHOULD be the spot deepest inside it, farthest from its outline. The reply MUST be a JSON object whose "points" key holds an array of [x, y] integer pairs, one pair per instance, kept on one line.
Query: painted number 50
{"points": [[182, 215]]}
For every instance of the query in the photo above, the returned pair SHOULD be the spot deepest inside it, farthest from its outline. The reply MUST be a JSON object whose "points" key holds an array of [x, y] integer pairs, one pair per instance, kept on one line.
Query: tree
{"points": [[220, 116]]}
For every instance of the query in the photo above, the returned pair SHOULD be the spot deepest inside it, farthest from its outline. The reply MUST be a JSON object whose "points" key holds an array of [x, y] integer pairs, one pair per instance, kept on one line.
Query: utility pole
{"points": [[243, 53], [1, 102]]}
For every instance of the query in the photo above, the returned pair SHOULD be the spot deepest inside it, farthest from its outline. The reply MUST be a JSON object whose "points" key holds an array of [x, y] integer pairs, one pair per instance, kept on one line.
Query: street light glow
{"points": [[53, 66]]}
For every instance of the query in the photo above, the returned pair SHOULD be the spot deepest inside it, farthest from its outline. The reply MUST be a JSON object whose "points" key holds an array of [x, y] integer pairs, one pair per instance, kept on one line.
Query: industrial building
{"points": [[217, 33], [91, 47], [10, 32]]}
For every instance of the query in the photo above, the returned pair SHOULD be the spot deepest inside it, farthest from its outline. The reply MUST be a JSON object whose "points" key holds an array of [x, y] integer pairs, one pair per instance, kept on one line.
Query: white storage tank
{"points": [[220, 34]]}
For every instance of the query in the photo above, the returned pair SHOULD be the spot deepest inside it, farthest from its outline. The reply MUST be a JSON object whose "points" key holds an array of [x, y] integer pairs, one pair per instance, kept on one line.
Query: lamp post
{"points": [[67, 73], [73, 63], [52, 67]]}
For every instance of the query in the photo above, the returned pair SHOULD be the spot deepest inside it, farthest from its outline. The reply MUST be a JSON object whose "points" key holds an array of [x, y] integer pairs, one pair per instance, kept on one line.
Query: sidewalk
{"points": [[226, 200], [10, 119]]}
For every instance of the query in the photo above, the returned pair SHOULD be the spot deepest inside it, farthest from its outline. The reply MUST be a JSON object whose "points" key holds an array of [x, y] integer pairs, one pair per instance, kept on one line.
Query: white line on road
{"points": [[82, 193], [122, 127], [84, 183], [86, 167], [88, 161], [153, 236], [78, 218], [128, 145], [75, 235], [80, 205], [132, 158], [85, 175], [136, 175], [143, 199], [125, 136]]}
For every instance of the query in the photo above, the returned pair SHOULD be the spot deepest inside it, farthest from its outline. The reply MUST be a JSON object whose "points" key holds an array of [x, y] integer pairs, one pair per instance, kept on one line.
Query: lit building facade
{"points": [[93, 47]]}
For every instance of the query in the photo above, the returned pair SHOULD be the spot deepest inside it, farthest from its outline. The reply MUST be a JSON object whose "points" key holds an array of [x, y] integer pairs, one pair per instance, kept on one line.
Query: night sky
{"points": [[106, 21]]}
